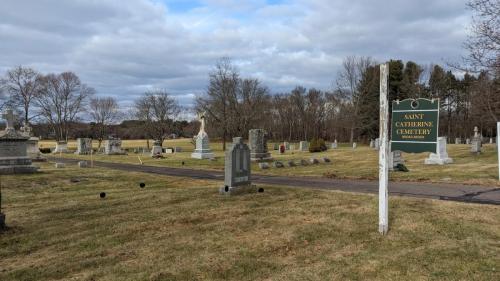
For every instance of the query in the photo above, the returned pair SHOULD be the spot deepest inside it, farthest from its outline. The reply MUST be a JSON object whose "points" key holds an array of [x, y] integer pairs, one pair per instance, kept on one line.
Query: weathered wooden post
{"points": [[498, 148], [383, 204]]}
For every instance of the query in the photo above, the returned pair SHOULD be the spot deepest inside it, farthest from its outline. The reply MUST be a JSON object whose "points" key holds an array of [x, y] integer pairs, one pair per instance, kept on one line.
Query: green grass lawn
{"points": [[179, 229], [361, 163]]}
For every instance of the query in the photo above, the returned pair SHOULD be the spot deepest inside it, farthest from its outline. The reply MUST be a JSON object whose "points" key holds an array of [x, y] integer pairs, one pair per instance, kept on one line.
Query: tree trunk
{"points": [[224, 140]]}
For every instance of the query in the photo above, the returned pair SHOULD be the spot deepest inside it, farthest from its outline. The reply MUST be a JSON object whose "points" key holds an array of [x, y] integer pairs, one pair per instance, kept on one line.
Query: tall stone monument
{"points": [[83, 146], [258, 145], [14, 157], [441, 157], [237, 171], [476, 142], [202, 150]]}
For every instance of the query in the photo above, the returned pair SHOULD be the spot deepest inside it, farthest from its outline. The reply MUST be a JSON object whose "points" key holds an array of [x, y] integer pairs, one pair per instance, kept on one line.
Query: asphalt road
{"points": [[451, 192]]}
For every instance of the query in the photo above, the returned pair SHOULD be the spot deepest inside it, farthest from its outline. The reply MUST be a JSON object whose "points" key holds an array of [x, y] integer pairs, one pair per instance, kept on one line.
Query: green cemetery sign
{"points": [[415, 125]]}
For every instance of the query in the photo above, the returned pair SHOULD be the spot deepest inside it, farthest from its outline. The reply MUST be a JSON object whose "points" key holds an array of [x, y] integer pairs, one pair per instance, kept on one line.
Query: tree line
{"points": [[57, 104], [469, 96], [233, 104]]}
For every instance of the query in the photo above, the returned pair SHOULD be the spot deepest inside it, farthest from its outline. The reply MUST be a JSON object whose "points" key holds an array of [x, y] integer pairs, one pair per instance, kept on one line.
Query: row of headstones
{"points": [[111, 147], [237, 169], [303, 146], [293, 163]]}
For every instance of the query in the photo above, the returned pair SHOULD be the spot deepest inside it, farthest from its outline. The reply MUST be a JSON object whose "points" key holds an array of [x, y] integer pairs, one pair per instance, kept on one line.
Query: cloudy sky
{"points": [[124, 47]]}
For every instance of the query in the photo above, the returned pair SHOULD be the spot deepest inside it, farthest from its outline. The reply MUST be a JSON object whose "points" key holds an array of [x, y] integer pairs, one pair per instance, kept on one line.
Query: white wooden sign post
{"points": [[383, 163], [498, 148]]}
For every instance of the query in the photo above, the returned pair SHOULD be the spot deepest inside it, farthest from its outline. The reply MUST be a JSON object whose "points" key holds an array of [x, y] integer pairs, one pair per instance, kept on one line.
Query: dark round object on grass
{"points": [[226, 188], [183, 163], [261, 190], [142, 185], [102, 195]]}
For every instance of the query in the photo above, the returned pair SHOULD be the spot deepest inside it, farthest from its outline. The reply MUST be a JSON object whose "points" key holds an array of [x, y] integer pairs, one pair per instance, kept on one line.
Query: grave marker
{"points": [[14, 157], [83, 146], [202, 150], [441, 156], [258, 145], [237, 172]]}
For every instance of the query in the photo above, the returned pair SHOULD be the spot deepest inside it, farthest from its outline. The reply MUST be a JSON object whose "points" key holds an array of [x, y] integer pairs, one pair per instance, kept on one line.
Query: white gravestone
{"points": [[304, 146], [441, 157], [157, 150], [113, 146], [83, 146], [61, 147], [476, 142], [335, 145], [395, 158], [287, 145], [354, 145], [202, 150]]}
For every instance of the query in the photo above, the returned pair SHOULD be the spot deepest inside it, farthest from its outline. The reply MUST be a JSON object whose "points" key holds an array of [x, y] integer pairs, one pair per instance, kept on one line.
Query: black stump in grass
{"points": [[2, 221], [142, 185], [261, 190], [102, 195], [183, 163]]}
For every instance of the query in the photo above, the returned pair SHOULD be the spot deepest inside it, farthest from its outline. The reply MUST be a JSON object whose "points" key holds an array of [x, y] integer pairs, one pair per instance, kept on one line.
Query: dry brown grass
{"points": [[178, 229], [361, 163]]}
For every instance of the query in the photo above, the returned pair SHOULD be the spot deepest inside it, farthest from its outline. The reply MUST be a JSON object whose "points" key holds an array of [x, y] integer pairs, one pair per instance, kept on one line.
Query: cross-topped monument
{"points": [[202, 150], [201, 116]]}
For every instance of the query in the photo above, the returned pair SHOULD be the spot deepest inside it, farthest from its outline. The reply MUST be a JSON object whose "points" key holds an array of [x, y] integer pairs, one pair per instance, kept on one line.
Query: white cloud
{"points": [[125, 47]]}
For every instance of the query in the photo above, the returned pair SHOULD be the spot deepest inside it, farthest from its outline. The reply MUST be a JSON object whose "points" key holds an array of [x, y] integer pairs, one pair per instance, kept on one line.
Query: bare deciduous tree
{"points": [[219, 101], [348, 85], [23, 84], [103, 111], [158, 111], [483, 43], [62, 98]]}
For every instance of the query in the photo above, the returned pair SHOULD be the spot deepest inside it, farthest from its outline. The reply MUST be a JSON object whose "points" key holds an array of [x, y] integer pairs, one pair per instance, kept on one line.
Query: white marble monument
{"points": [[61, 147], [157, 149], [202, 150], [476, 142], [441, 157], [113, 146], [83, 146]]}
